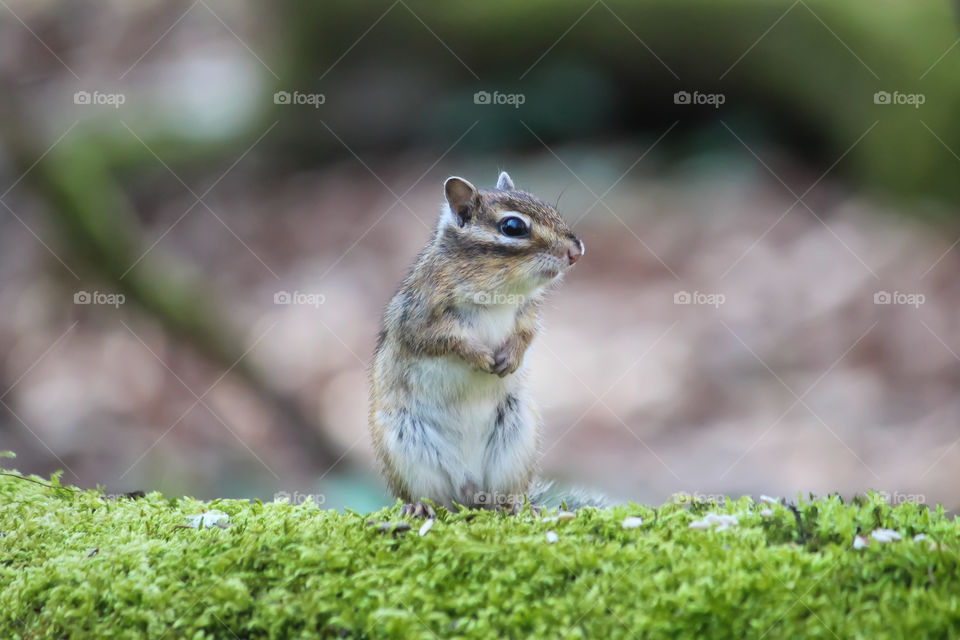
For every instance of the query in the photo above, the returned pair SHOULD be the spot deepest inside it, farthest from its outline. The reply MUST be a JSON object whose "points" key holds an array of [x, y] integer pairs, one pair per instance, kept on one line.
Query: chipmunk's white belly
{"points": [[461, 403], [450, 388]]}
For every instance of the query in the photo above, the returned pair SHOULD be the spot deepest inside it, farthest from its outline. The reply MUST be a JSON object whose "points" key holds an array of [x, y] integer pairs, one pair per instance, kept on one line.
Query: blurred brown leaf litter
{"points": [[766, 304]]}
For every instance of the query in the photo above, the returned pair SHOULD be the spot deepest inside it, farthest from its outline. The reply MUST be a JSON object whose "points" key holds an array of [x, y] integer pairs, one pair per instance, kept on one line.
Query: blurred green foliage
{"points": [[801, 75]]}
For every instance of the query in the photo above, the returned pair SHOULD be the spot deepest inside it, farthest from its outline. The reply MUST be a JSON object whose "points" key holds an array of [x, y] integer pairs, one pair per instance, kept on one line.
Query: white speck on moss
{"points": [[426, 527], [632, 522], [208, 519], [885, 535], [563, 516], [766, 513], [722, 521], [552, 537], [860, 542], [931, 544], [769, 500]]}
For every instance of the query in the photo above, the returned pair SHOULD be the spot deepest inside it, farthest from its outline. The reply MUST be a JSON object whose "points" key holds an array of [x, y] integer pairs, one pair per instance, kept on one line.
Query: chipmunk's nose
{"points": [[576, 252]]}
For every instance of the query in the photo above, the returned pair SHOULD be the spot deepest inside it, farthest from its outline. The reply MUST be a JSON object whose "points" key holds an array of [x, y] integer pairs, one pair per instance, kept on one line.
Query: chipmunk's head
{"points": [[507, 238]]}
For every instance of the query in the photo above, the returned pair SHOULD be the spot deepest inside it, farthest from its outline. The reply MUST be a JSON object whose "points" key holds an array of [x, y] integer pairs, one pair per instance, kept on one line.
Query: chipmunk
{"points": [[451, 416]]}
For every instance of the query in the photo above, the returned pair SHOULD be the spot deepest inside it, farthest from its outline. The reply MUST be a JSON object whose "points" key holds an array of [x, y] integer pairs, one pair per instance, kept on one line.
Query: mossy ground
{"points": [[77, 564]]}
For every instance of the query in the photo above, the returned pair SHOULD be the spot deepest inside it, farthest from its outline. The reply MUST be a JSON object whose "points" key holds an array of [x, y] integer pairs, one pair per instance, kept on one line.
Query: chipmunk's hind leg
{"points": [[418, 510], [420, 461], [518, 507], [510, 456]]}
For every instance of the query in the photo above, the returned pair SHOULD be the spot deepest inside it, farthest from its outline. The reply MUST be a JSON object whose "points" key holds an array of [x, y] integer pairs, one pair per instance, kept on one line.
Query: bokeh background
{"points": [[206, 205]]}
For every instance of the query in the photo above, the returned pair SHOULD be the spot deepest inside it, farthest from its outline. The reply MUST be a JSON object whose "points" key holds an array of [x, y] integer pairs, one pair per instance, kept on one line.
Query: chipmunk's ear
{"points": [[504, 183], [462, 198]]}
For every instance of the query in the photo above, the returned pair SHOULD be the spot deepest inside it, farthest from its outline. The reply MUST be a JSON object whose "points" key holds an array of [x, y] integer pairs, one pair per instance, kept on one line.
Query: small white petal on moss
{"points": [[766, 513], [632, 522], [769, 500], [885, 535], [426, 527], [563, 516], [931, 544], [552, 537], [208, 519], [722, 521], [860, 543]]}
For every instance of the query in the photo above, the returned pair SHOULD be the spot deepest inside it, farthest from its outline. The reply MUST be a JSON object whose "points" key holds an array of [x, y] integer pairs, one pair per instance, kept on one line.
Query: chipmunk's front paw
{"points": [[483, 361], [507, 359], [418, 510]]}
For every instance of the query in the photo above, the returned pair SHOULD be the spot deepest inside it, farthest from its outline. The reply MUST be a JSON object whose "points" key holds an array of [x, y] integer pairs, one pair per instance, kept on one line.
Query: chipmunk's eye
{"points": [[514, 227]]}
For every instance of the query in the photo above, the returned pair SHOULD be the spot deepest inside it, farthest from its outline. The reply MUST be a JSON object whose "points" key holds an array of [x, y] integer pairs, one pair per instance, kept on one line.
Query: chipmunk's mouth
{"points": [[550, 266]]}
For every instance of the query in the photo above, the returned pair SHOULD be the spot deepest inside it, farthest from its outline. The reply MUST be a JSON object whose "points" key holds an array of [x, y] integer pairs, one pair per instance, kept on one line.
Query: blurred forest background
{"points": [[205, 206]]}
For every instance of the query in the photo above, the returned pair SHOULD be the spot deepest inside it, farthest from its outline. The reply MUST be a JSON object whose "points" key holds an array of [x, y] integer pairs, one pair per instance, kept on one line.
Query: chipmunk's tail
{"points": [[544, 493]]}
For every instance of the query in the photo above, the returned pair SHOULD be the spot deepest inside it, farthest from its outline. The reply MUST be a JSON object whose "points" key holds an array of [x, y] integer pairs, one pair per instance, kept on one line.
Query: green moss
{"points": [[282, 571]]}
